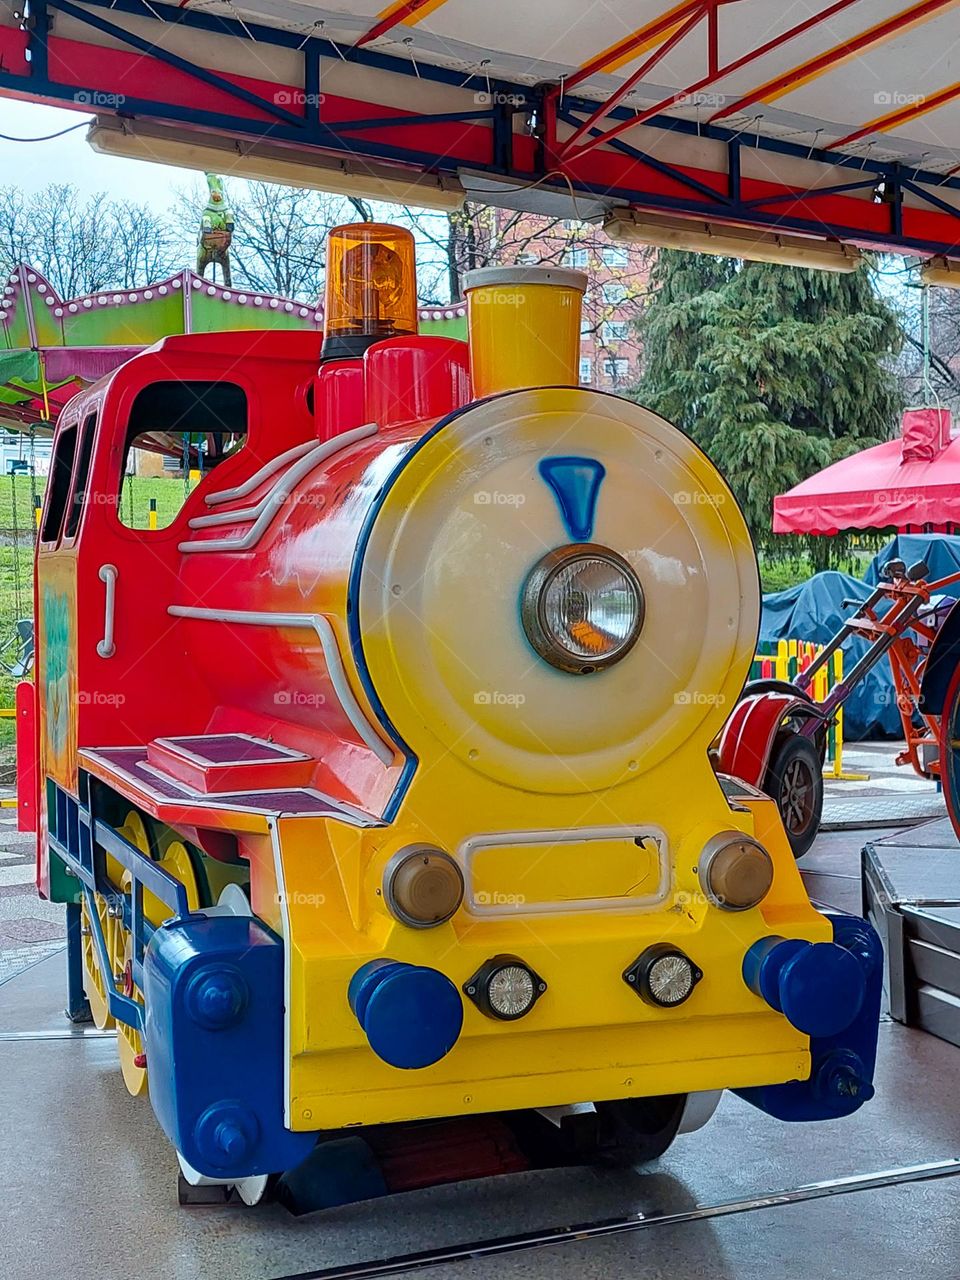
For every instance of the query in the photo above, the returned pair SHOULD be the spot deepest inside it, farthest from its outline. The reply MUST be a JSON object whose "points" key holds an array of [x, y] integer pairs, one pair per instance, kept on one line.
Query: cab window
{"points": [[58, 484], [81, 476], [178, 431]]}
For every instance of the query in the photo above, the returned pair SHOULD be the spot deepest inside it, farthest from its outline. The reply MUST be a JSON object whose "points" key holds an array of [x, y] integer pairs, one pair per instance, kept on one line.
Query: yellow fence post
{"points": [[791, 658]]}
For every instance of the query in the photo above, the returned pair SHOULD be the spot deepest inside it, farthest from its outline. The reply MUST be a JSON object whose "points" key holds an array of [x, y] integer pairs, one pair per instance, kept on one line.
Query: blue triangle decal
{"points": [[576, 486]]}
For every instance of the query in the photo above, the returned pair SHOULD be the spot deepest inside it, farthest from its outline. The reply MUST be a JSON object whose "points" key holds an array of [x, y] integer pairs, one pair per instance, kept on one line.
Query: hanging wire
{"points": [[47, 137], [308, 33], [34, 505], [408, 45]]}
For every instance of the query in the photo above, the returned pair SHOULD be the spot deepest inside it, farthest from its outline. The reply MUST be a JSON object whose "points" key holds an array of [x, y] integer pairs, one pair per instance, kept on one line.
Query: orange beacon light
{"points": [[371, 288]]}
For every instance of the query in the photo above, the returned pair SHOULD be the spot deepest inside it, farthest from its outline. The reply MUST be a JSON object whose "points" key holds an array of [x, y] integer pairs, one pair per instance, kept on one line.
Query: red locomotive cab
{"points": [[246, 419], [107, 666]]}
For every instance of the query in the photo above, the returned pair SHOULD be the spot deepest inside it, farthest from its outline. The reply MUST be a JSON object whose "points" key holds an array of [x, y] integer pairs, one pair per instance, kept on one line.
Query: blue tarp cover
{"points": [[813, 611], [941, 553]]}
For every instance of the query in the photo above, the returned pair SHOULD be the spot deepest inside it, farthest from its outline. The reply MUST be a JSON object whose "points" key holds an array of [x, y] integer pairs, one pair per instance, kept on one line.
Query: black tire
{"points": [[794, 782], [767, 684], [638, 1130]]}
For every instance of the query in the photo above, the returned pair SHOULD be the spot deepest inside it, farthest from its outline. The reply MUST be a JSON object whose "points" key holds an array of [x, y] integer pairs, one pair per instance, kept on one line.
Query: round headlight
{"points": [[504, 988], [663, 976], [582, 607], [735, 871], [422, 886]]}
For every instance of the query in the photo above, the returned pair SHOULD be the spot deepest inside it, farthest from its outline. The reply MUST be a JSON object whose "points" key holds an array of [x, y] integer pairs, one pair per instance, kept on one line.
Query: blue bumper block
{"points": [[831, 991], [411, 1015], [214, 1040]]}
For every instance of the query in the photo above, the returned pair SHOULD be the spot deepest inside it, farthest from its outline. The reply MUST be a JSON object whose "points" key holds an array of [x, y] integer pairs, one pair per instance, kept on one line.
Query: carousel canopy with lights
{"points": [[809, 130], [51, 347]]}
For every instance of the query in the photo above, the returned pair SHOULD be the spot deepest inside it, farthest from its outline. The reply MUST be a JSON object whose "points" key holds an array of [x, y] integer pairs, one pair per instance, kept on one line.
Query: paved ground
{"points": [[888, 793], [30, 929]]}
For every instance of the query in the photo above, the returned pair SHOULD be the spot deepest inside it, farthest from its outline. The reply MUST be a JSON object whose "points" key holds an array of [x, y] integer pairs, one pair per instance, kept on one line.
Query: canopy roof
{"points": [[911, 484], [835, 119]]}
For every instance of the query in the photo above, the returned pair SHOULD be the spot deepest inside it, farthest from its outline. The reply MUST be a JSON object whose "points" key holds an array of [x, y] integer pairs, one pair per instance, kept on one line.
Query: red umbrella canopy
{"points": [[912, 483]]}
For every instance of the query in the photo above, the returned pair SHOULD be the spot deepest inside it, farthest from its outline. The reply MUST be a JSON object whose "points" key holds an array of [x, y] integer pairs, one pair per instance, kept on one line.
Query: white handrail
{"points": [[108, 576], [270, 503], [258, 477]]}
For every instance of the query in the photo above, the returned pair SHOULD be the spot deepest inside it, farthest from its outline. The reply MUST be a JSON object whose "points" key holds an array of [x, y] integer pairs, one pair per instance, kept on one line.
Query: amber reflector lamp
{"points": [[371, 288]]}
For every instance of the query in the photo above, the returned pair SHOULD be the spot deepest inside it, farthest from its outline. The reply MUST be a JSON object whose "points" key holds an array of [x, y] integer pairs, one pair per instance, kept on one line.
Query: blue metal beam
{"points": [[521, 95], [508, 99], [929, 197], [174, 60], [658, 166], [776, 146], [811, 193], [392, 122]]}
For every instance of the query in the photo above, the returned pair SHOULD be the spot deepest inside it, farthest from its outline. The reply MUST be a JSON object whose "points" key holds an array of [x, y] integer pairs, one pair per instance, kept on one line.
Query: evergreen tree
{"points": [[775, 371]]}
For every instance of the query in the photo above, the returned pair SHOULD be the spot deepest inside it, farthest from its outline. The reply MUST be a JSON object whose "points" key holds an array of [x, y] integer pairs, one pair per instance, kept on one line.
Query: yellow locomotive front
{"points": [[459, 654], [551, 607]]}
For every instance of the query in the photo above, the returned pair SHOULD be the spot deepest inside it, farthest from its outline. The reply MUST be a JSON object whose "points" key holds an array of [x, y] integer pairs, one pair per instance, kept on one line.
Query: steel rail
{"points": [[496, 1246]]}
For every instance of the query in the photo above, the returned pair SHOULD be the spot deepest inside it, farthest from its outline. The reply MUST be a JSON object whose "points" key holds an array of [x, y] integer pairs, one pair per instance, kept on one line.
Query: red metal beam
{"points": [[714, 77], [835, 56], [638, 41], [606, 107], [393, 17], [883, 124]]}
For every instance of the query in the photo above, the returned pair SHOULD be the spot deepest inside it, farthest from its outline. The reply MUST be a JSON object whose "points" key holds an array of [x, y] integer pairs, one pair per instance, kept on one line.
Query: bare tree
{"points": [[928, 367], [148, 246], [84, 245]]}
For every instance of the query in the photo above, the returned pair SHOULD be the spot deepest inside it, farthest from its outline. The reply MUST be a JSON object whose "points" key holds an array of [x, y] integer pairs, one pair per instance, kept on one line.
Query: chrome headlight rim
{"points": [[533, 602], [640, 976]]}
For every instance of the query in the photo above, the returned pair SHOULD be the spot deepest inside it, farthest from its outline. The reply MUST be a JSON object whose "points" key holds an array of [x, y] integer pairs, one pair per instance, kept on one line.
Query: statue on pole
{"points": [[216, 231]]}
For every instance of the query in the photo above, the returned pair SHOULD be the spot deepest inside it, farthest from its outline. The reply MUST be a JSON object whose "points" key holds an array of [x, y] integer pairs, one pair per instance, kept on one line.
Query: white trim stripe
{"points": [[331, 654]]}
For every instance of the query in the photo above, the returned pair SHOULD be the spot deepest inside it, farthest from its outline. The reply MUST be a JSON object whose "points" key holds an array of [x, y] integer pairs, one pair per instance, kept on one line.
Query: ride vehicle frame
{"points": [[377, 784], [776, 736]]}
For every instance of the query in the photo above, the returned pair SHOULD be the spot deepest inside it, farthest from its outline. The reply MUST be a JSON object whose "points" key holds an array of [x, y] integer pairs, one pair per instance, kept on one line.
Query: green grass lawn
{"points": [[135, 500]]}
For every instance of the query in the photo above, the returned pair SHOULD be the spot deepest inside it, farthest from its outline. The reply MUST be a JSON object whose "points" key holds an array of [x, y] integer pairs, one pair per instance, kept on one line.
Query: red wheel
{"points": [[950, 749]]}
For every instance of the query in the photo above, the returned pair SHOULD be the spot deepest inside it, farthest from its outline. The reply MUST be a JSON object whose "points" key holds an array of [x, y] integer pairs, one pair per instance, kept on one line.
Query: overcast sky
{"points": [[32, 165]]}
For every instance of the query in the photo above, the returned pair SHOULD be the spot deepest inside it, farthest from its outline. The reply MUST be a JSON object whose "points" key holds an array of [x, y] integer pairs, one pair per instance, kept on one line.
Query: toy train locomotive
{"points": [[377, 783]]}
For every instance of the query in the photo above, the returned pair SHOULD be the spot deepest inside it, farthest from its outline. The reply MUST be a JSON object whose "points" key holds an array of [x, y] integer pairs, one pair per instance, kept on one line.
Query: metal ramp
{"points": [[911, 893]]}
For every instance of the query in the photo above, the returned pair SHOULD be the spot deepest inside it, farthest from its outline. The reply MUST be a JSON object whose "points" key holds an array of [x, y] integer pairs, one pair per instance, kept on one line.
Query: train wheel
{"points": [[950, 750], [129, 1044], [795, 782], [638, 1130], [175, 860], [133, 1061], [94, 983]]}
